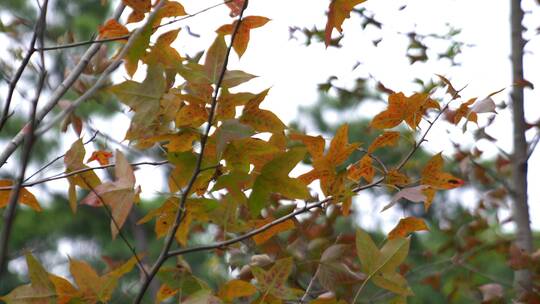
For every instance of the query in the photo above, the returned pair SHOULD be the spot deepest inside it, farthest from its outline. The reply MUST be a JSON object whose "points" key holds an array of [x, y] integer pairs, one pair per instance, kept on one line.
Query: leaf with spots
{"points": [[362, 169], [388, 138], [274, 281], [261, 120], [406, 226], [432, 175]]}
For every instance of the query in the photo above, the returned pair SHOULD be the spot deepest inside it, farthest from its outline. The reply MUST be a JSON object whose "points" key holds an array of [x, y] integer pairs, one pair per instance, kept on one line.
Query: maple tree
{"points": [[232, 174]]}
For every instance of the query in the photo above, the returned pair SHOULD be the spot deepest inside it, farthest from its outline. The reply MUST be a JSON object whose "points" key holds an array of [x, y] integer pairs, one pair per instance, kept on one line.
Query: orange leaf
{"points": [[138, 5], [450, 90], [339, 10], [362, 168], [101, 156], [236, 289], [259, 119], [269, 233], [406, 226], [25, 196], [165, 292], [402, 108], [340, 149], [434, 177], [314, 144], [388, 138], [112, 29], [241, 40]]}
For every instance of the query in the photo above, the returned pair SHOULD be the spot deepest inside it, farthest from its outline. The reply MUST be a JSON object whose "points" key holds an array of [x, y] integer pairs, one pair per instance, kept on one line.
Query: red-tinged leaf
{"points": [[241, 40], [118, 195], [101, 156], [433, 176], [138, 5], [388, 138], [406, 226], [393, 177], [264, 236], [339, 10], [273, 282], [135, 16], [25, 196], [165, 292], [235, 6], [362, 169], [236, 289], [112, 29]]}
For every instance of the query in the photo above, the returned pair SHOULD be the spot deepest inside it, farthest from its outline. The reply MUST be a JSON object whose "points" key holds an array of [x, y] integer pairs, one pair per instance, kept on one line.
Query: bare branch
{"points": [[56, 94], [29, 137], [164, 254]]}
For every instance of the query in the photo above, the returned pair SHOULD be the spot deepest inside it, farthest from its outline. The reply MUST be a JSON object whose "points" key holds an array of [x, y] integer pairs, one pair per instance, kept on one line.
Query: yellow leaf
{"points": [[362, 168], [339, 10], [25, 196], [406, 226], [393, 177]]}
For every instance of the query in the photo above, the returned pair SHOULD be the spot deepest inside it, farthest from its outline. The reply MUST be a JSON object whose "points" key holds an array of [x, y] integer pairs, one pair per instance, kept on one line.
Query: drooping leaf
{"points": [[406, 226], [25, 196], [118, 195], [339, 10], [333, 272], [215, 58]]}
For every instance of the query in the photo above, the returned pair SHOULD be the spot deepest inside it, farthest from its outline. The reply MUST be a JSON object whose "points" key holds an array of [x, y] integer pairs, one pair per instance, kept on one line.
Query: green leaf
{"points": [[393, 253], [274, 177], [235, 77], [215, 58], [394, 282], [367, 251]]}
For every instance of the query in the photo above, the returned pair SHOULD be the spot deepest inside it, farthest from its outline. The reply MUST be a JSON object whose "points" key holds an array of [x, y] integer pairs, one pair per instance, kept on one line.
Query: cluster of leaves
{"points": [[232, 163]]}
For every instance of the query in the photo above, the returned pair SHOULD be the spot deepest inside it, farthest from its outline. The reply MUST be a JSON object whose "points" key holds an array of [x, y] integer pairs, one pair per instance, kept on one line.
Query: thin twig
{"points": [[10, 213], [92, 41], [77, 172], [56, 94], [164, 254]]}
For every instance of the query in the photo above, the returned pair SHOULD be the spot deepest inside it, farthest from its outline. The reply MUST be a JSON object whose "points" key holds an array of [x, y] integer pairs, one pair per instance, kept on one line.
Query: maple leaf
{"points": [[362, 169], [388, 138], [401, 108], [273, 282], [118, 195], [144, 99], [433, 176], [87, 180], [101, 156], [260, 120], [324, 165], [339, 10], [113, 29], [264, 236], [40, 290], [236, 289], [380, 265], [274, 177], [25, 197], [241, 40], [162, 52], [406, 226]]}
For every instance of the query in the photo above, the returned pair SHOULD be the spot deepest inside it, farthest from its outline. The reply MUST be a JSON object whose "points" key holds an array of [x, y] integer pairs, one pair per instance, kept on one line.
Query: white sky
{"points": [[293, 70]]}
